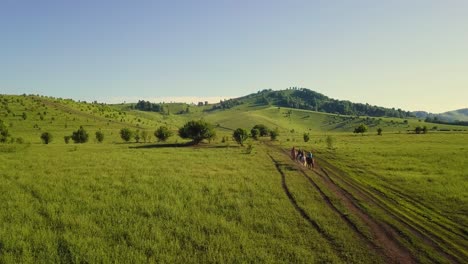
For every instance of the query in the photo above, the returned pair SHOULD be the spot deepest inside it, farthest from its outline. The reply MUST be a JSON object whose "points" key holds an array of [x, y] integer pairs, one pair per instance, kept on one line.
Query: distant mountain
{"points": [[457, 117], [302, 98]]}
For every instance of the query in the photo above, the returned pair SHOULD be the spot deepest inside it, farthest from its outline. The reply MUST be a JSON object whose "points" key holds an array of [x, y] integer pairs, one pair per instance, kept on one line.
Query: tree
{"points": [[306, 137], [274, 134], [163, 133], [80, 136], [418, 130], [424, 130], [240, 135], [3, 132], [361, 129], [46, 137], [137, 136], [67, 139], [99, 136], [24, 116], [126, 134], [330, 142], [254, 132], [264, 131], [197, 131], [145, 136], [379, 131]]}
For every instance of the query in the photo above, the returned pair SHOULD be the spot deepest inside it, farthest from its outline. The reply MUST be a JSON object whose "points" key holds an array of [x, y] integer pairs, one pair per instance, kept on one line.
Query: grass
{"points": [[420, 177], [99, 203], [215, 203]]}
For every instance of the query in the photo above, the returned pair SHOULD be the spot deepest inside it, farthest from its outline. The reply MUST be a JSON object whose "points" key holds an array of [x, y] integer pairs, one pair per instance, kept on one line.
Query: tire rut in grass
{"points": [[385, 237], [301, 211], [429, 238]]}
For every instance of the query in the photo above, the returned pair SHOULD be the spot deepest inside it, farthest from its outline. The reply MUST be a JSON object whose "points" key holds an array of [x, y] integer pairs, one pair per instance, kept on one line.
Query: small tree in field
{"points": [[254, 132], [67, 139], [330, 142], [379, 131], [424, 130], [240, 135], [274, 134], [3, 132], [126, 134], [46, 137], [264, 131], [80, 136], [361, 129], [99, 136], [163, 133], [306, 137], [137, 136], [197, 131], [144, 135]]}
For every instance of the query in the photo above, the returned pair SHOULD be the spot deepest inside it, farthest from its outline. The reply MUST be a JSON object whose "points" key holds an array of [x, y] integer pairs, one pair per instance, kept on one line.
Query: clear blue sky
{"points": [[408, 54]]}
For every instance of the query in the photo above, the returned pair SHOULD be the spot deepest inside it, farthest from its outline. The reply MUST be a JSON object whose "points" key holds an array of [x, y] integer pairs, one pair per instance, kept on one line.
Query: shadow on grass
{"points": [[182, 145]]}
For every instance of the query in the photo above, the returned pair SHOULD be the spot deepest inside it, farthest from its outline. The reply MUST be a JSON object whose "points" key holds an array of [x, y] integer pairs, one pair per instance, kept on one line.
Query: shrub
{"points": [[3, 132], [330, 142], [197, 131], [67, 139], [126, 134], [99, 136], [418, 130], [46, 137], [264, 131], [379, 131], [80, 136], [254, 132], [240, 135], [274, 134], [163, 133], [137, 136], [306, 137], [145, 136], [361, 129]]}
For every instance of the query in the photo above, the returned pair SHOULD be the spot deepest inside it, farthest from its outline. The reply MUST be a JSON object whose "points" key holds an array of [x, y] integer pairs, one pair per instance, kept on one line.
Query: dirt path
{"points": [[356, 192], [384, 239]]}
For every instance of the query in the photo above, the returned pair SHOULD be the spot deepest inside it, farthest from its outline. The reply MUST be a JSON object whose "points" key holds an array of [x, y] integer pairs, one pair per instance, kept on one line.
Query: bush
{"points": [[99, 136], [418, 130], [197, 131], [274, 134], [361, 129], [163, 133], [67, 139], [3, 132], [145, 136], [254, 132], [126, 134], [137, 136], [46, 137], [379, 131], [19, 140], [264, 131], [306, 137], [330, 142], [240, 135], [80, 136]]}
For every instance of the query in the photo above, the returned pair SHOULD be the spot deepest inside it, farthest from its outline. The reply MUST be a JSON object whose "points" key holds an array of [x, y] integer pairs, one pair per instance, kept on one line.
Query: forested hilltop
{"points": [[303, 98]]}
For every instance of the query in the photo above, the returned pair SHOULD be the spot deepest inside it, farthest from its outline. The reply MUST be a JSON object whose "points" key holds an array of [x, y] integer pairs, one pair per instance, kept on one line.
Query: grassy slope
{"points": [[211, 204]]}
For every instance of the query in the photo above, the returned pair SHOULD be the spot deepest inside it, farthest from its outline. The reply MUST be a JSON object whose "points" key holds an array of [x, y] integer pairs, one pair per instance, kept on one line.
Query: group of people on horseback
{"points": [[304, 157]]}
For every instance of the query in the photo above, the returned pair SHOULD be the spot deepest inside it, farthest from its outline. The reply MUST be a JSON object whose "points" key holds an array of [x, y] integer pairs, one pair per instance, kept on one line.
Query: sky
{"points": [[404, 54]]}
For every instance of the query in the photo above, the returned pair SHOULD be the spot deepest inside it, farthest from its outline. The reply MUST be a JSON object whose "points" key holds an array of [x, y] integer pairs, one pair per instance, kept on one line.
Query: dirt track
{"points": [[386, 239]]}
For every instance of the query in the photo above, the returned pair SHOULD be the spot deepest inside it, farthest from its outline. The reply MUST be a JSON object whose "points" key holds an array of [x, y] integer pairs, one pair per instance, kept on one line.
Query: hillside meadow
{"points": [[220, 202]]}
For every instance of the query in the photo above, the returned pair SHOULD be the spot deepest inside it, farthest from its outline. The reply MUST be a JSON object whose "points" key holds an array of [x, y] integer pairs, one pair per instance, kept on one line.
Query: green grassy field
{"points": [[146, 202]]}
